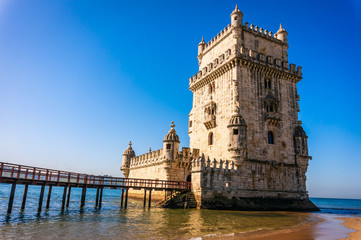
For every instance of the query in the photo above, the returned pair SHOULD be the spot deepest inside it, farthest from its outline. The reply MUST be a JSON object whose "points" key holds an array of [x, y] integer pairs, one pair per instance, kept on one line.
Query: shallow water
{"points": [[112, 222]]}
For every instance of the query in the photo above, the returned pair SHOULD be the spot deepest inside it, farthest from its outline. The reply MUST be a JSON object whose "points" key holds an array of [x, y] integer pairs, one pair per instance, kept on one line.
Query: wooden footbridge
{"points": [[19, 174]]}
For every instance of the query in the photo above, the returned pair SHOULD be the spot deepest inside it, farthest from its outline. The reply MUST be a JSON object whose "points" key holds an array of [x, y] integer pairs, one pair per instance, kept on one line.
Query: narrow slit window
{"points": [[270, 138], [210, 139]]}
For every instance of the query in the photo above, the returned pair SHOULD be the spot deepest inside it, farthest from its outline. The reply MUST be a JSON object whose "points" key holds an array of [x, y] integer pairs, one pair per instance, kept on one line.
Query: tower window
{"points": [[267, 83], [211, 88], [190, 123], [210, 138], [235, 131], [168, 146], [270, 138]]}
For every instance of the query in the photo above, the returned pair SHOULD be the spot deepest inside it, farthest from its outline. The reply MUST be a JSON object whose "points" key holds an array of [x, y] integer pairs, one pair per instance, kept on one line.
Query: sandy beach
{"points": [[353, 223]]}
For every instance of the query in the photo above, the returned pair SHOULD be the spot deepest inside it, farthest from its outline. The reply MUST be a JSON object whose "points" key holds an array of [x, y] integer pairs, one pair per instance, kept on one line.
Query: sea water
{"points": [[113, 222]]}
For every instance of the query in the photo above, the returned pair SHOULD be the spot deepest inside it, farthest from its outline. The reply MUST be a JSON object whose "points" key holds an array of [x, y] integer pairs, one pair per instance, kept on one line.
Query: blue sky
{"points": [[79, 79]]}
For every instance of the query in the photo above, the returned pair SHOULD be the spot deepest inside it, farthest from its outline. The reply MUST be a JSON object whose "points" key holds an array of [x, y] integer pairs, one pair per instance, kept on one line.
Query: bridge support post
{"points": [[25, 194], [150, 198], [48, 197], [64, 198], [126, 198], [11, 198], [68, 198], [97, 198], [101, 197], [145, 197], [122, 198], [41, 198], [83, 195]]}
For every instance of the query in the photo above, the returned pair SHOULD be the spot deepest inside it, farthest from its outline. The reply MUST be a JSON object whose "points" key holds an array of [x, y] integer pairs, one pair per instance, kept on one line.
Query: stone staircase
{"points": [[179, 200]]}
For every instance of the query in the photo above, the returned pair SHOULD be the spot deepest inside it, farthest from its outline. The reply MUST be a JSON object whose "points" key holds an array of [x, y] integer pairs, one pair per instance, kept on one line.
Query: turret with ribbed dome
{"points": [[237, 138], [172, 135], [127, 155], [171, 143]]}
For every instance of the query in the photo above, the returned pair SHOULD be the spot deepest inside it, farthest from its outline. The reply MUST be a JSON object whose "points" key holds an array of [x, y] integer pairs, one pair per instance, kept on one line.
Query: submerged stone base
{"points": [[259, 204]]}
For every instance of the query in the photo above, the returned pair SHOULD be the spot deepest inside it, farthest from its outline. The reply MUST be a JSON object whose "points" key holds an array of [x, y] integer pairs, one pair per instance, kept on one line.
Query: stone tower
{"points": [[245, 110]]}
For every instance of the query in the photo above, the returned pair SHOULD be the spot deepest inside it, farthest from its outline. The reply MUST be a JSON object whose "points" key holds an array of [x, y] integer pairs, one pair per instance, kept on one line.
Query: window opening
{"points": [[210, 139], [270, 138]]}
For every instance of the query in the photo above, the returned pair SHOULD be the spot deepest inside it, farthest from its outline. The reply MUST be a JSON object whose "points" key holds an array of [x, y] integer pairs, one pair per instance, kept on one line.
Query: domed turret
{"points": [[282, 34], [300, 141], [201, 46], [236, 17], [127, 155], [171, 143], [237, 138], [172, 135], [129, 151], [299, 132], [236, 120]]}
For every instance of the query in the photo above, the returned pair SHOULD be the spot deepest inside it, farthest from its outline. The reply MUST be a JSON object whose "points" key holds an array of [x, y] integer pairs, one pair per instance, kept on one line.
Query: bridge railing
{"points": [[22, 172]]}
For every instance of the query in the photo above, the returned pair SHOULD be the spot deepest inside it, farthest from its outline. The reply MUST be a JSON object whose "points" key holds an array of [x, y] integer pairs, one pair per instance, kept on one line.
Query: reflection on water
{"points": [[111, 222]]}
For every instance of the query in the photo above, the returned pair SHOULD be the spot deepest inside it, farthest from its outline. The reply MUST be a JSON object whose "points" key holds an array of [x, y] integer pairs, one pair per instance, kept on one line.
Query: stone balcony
{"points": [[273, 118], [210, 121]]}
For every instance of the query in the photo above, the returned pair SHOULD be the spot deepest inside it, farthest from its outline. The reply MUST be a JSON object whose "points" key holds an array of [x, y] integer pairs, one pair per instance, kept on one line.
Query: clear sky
{"points": [[79, 79]]}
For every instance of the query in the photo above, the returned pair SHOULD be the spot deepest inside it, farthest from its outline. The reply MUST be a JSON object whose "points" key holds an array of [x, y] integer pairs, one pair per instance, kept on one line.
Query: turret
{"points": [[171, 143], [236, 17], [282, 34], [301, 151], [300, 141], [237, 138], [127, 155], [201, 46]]}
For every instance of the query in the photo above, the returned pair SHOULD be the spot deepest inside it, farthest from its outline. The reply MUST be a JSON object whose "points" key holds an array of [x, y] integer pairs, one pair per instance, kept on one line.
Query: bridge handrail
{"points": [[17, 171]]}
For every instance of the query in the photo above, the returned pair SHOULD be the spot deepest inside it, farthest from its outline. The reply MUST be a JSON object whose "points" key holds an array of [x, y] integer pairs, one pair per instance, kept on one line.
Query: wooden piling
{"points": [[126, 199], [25, 194], [83, 195], [150, 198], [97, 198], [145, 197], [64, 198], [68, 198], [101, 197], [122, 198], [11, 198], [48, 197], [41, 198]]}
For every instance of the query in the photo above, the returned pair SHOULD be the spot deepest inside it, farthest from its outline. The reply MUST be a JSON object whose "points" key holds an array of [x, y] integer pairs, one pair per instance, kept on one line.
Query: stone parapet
{"points": [[246, 58], [147, 159]]}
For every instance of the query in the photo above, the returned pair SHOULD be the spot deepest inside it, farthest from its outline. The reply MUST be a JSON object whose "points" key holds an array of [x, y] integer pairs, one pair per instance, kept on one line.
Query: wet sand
{"points": [[320, 227], [353, 223]]}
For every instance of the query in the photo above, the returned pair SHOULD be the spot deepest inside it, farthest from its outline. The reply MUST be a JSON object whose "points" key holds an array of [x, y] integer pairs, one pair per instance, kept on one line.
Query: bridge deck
{"points": [[20, 174]]}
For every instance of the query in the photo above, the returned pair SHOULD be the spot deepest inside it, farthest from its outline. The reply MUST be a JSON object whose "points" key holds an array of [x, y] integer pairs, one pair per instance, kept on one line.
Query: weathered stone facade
{"points": [[244, 121]]}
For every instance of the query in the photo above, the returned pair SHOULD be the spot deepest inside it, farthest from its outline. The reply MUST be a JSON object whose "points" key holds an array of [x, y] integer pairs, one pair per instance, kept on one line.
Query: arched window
{"points": [[210, 138], [270, 138]]}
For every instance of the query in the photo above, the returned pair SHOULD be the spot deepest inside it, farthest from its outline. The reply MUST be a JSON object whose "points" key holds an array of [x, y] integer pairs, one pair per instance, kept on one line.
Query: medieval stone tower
{"points": [[247, 147]]}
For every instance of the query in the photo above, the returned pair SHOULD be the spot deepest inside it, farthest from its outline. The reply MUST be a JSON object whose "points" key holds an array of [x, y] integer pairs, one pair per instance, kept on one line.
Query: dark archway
{"points": [[189, 178]]}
